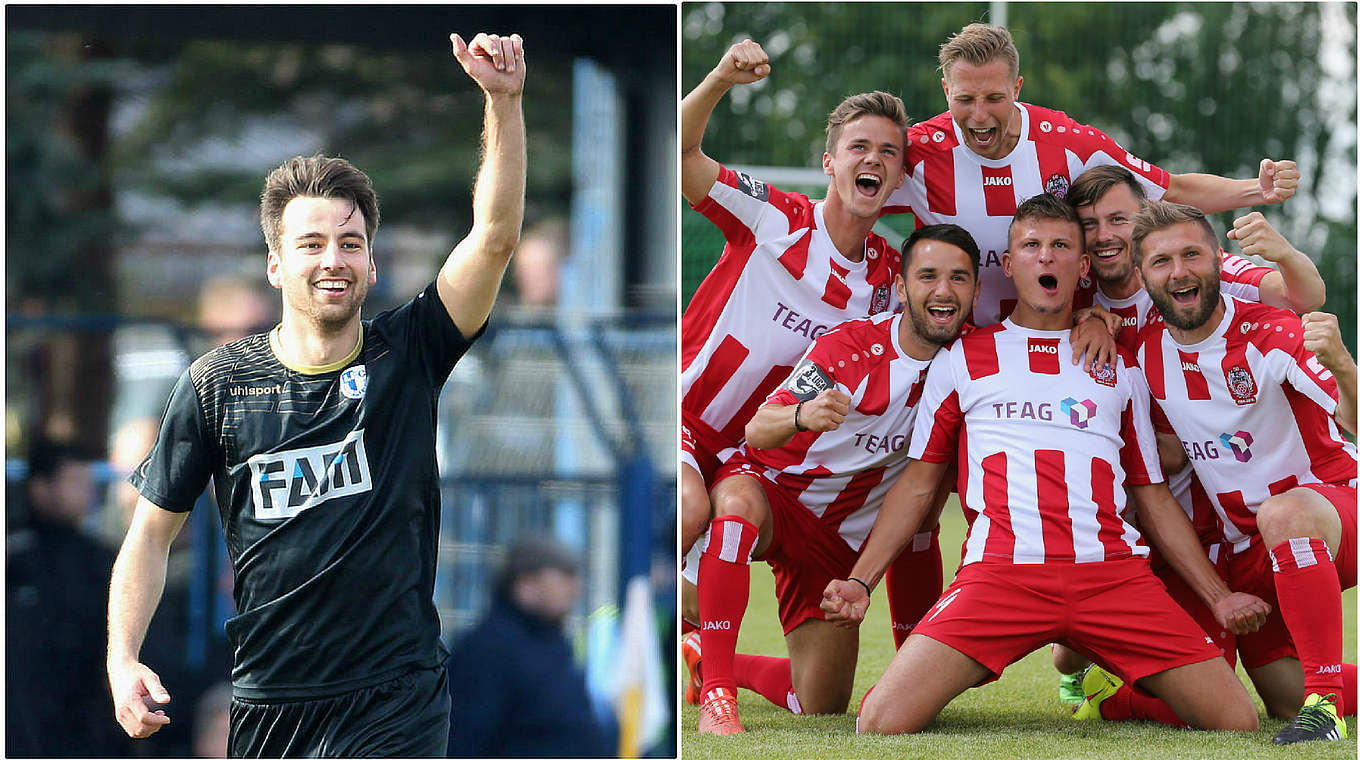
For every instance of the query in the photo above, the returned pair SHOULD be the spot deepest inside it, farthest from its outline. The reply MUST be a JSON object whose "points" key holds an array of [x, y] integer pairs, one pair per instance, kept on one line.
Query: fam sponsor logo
{"points": [[1079, 413], [792, 321], [1238, 443], [286, 483]]}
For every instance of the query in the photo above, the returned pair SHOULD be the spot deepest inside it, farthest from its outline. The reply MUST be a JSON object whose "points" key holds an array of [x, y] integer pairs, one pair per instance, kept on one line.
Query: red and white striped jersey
{"points": [[1238, 277], [842, 474], [1044, 449], [779, 284], [1252, 407], [948, 182]]}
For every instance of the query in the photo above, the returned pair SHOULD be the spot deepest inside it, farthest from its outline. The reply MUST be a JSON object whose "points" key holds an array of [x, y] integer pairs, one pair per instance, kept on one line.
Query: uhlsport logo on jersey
{"points": [[354, 382], [1238, 443], [285, 483], [1079, 412]]}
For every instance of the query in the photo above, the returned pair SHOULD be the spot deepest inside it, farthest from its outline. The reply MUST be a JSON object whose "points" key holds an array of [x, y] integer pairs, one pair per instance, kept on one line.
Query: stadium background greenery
{"points": [[1192, 87]]}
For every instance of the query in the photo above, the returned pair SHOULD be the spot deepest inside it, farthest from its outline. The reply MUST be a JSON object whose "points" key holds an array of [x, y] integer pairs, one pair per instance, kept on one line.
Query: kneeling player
{"points": [[1048, 450], [821, 452]]}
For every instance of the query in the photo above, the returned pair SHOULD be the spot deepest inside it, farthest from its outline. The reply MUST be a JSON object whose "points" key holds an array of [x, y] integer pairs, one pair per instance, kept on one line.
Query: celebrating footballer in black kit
{"points": [[319, 437]]}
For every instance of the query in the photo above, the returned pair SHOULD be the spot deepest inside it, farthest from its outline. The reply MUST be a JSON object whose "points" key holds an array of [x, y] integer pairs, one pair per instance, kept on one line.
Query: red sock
{"points": [[914, 582], [724, 587], [1347, 707], [770, 677], [1127, 704], [1310, 601]]}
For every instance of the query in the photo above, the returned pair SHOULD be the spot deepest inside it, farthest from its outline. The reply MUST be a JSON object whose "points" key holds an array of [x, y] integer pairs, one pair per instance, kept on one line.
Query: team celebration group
{"points": [[1145, 432]]}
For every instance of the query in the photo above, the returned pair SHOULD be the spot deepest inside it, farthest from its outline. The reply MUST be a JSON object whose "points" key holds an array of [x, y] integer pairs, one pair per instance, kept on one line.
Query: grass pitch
{"points": [[1017, 716]]}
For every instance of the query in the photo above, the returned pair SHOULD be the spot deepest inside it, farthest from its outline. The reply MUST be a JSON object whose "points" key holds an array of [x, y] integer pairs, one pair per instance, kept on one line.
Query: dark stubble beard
{"points": [[1167, 306], [931, 332]]}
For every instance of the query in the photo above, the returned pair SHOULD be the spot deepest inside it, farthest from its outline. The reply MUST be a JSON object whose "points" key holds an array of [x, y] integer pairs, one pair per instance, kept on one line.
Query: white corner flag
{"points": [[640, 699]]}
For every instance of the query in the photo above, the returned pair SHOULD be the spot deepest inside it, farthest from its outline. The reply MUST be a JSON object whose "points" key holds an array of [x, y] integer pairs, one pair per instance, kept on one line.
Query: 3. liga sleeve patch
{"points": [[753, 187], [807, 381]]}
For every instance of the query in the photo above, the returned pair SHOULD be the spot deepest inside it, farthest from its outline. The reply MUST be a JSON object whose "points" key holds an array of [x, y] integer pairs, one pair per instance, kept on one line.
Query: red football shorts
{"points": [[1115, 613], [703, 448], [1195, 607], [804, 554], [1250, 571]]}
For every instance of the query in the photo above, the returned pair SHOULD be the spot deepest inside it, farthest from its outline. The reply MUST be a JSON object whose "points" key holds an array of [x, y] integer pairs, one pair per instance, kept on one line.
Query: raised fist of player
{"points": [[743, 63], [1279, 180], [1322, 336], [1241, 613], [1256, 237], [494, 62], [845, 603], [825, 412]]}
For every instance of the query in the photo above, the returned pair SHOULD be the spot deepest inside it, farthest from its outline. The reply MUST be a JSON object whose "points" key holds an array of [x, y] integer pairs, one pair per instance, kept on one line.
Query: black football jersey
{"points": [[328, 490]]}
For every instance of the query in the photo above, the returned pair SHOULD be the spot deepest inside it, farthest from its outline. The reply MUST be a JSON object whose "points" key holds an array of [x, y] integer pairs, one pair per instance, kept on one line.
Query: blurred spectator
{"points": [[56, 593], [212, 722], [537, 262], [516, 690], [232, 306]]}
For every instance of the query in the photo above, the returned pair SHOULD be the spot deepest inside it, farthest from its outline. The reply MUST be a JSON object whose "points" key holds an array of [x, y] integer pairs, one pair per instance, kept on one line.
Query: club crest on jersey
{"points": [[1057, 185], [1079, 412], [1241, 385], [879, 304], [286, 483], [1238, 443], [1105, 375], [354, 382], [753, 187], [807, 381]]}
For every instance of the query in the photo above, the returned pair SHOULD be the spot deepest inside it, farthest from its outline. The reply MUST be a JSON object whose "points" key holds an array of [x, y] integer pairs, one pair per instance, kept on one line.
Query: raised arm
{"points": [[743, 63], [134, 592], [1211, 193], [1296, 284], [472, 274], [1322, 336]]}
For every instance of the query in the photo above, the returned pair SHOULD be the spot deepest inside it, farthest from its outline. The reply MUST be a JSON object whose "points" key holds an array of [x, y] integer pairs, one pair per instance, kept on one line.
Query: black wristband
{"points": [[865, 585], [797, 426]]}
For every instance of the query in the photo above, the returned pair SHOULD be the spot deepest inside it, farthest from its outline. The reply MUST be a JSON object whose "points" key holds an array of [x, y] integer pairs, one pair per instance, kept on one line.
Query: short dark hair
{"points": [[945, 233], [876, 103], [530, 555], [1047, 206], [1093, 183], [315, 177], [1159, 215]]}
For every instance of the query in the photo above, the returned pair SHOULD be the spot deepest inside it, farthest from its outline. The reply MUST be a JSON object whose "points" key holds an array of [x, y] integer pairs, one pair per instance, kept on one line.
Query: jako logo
{"points": [[996, 181], [286, 483], [1080, 411], [1238, 443], [717, 625], [1039, 348], [1329, 669]]}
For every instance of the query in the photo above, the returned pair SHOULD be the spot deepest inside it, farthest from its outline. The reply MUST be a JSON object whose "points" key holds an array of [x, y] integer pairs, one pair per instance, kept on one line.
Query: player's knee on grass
{"points": [[878, 716], [1280, 686], [1298, 513]]}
